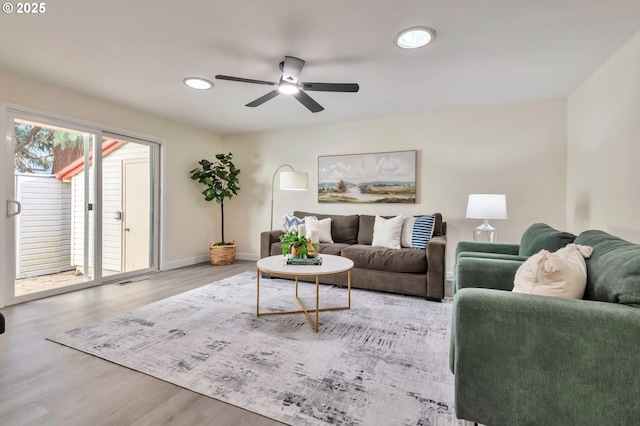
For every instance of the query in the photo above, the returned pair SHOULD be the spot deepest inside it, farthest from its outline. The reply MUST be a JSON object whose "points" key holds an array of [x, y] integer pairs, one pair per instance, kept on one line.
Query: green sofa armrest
{"points": [[533, 360], [483, 272], [493, 256], [482, 247]]}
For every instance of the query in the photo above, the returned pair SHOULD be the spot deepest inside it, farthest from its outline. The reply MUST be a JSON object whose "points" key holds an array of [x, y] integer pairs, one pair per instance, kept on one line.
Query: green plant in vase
{"points": [[298, 245]]}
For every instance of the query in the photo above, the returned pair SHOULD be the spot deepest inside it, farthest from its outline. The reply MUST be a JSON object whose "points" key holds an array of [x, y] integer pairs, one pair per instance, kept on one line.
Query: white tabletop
{"points": [[330, 265]]}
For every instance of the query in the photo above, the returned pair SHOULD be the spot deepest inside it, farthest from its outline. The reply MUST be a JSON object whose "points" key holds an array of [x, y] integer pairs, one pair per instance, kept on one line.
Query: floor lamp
{"points": [[289, 181], [485, 207]]}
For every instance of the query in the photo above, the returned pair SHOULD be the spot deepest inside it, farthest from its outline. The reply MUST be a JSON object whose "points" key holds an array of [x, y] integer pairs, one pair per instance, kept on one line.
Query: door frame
{"points": [[10, 111]]}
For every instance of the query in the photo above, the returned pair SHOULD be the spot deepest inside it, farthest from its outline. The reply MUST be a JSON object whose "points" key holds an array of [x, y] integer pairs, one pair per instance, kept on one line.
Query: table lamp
{"points": [[485, 207]]}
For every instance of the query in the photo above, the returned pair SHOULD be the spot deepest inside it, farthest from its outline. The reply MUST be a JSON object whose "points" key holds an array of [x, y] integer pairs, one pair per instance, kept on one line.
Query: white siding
{"points": [[44, 226], [111, 202]]}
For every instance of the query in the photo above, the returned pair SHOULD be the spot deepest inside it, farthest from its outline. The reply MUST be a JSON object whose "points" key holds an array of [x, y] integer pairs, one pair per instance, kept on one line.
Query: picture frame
{"points": [[380, 177]]}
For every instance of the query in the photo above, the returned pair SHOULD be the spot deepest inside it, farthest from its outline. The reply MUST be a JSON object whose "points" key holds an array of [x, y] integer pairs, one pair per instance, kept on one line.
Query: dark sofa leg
{"points": [[433, 299]]}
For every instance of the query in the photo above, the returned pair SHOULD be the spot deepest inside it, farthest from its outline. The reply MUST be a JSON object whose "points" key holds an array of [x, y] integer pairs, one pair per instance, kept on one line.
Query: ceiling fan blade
{"points": [[331, 87], [291, 69], [263, 99], [307, 101], [244, 80]]}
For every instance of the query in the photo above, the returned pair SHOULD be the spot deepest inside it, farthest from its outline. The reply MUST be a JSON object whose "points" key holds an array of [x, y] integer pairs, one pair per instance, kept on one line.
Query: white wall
{"points": [[603, 173], [519, 150], [189, 222]]}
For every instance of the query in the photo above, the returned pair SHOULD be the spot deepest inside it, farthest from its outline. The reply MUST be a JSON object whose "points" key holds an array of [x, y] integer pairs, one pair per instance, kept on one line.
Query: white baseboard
{"points": [[247, 256], [175, 264]]}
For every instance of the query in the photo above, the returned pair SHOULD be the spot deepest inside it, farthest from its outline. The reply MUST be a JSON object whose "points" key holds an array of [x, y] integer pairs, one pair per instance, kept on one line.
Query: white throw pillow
{"points": [[386, 232], [559, 274], [322, 226]]}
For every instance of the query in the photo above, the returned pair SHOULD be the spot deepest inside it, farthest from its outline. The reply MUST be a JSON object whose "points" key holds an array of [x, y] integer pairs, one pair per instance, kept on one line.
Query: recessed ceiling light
{"points": [[414, 37], [198, 83]]}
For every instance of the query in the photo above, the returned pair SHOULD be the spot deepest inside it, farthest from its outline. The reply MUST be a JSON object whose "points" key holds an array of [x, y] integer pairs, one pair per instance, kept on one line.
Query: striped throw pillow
{"points": [[422, 231]]}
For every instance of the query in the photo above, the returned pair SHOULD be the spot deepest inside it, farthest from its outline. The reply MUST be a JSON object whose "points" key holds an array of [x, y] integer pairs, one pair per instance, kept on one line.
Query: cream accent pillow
{"points": [[407, 231], [322, 226], [559, 274], [386, 232]]}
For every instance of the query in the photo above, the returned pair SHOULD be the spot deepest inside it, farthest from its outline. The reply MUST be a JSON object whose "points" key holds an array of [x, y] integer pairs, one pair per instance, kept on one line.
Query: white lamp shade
{"points": [[294, 181], [487, 206]]}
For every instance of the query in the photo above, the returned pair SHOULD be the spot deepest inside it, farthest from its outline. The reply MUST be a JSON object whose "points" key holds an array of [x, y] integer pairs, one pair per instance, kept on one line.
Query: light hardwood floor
{"points": [[44, 383]]}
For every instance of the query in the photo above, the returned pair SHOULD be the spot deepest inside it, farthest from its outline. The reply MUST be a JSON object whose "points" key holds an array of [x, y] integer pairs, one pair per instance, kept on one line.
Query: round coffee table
{"points": [[277, 265]]}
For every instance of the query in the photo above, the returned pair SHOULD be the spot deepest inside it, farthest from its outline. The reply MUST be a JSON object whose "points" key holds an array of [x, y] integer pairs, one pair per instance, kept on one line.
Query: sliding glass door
{"points": [[81, 207], [129, 202]]}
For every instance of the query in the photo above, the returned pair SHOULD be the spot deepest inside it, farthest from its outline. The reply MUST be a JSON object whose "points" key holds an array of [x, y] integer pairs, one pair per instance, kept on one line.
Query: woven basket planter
{"points": [[222, 255]]}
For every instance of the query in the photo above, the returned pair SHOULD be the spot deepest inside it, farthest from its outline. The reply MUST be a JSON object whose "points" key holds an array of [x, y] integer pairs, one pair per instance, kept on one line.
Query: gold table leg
{"points": [[314, 324]]}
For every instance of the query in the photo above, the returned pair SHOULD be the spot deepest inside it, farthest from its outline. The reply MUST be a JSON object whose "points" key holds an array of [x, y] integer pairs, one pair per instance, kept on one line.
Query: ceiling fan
{"points": [[289, 85]]}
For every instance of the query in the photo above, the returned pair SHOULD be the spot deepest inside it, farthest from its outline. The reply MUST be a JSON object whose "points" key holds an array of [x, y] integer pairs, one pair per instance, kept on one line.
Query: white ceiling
{"points": [[136, 53]]}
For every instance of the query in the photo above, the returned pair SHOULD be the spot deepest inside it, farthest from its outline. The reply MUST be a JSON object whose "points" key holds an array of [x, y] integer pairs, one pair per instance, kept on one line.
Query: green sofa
{"points": [[494, 265], [522, 359]]}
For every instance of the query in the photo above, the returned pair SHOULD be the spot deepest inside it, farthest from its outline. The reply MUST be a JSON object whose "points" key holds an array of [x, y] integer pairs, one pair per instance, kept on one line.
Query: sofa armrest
{"points": [[503, 256], [525, 359], [482, 272], [436, 271], [266, 239], [482, 247]]}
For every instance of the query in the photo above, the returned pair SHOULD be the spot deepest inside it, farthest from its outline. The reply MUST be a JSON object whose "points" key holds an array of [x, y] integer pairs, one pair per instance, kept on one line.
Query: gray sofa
{"points": [[404, 271]]}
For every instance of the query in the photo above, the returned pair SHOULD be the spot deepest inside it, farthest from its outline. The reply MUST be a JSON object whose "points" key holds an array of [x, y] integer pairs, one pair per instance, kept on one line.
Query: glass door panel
{"points": [[53, 202], [128, 206]]}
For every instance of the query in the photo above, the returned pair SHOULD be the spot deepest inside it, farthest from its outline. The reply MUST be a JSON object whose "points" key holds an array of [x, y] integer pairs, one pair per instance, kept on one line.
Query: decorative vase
{"points": [[311, 250], [295, 251]]}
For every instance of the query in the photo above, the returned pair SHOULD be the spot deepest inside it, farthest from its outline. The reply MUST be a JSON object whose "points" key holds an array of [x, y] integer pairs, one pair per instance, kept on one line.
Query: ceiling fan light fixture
{"points": [[198, 83], [414, 37], [288, 89]]}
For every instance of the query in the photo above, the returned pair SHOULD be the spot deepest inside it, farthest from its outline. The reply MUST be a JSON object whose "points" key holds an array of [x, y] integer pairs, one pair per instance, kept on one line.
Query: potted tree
{"points": [[220, 179]]}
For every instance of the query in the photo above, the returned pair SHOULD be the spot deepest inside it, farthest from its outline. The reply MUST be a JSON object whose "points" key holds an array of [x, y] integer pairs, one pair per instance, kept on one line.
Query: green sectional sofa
{"points": [[522, 359]]}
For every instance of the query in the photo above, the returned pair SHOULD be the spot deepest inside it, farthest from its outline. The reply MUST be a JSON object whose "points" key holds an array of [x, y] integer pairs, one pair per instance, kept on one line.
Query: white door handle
{"points": [[18, 209]]}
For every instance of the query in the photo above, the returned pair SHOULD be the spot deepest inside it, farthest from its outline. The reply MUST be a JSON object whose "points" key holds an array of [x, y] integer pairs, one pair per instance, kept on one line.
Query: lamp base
{"points": [[485, 233]]}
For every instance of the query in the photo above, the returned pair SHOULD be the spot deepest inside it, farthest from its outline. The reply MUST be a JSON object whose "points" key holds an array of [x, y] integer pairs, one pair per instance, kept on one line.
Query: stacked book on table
{"points": [[304, 260]]}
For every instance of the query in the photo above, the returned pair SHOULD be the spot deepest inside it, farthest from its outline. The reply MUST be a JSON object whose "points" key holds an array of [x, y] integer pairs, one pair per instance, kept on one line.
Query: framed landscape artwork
{"points": [[383, 177]]}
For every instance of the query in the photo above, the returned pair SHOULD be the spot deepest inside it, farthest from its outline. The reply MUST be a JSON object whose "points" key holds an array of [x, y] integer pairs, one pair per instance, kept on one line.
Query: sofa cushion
{"points": [[562, 273], [541, 236], [386, 232], [613, 271], [365, 229], [344, 229], [335, 248], [406, 260]]}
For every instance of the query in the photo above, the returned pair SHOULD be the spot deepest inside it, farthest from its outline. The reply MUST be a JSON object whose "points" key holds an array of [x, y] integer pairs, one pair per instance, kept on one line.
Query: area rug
{"points": [[384, 362]]}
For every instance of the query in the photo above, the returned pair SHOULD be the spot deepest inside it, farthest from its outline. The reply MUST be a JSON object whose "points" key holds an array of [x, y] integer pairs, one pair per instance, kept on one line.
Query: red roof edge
{"points": [[78, 165]]}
